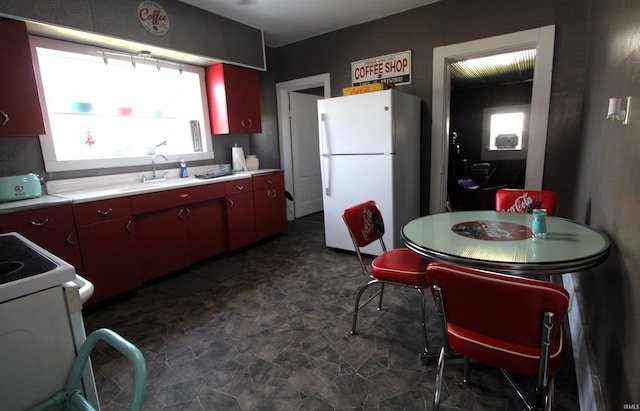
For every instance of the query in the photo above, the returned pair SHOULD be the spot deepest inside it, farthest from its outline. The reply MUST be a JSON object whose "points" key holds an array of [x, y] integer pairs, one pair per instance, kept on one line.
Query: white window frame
{"points": [[52, 164]]}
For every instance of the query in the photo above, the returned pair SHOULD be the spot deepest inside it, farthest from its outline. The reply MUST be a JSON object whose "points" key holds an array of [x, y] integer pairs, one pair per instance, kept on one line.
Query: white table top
{"points": [[502, 241]]}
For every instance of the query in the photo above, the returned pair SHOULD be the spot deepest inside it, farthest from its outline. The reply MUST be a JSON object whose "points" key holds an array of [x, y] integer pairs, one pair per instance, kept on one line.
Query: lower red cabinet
{"points": [[206, 230], [163, 242], [107, 237], [174, 232], [270, 204], [241, 223]]}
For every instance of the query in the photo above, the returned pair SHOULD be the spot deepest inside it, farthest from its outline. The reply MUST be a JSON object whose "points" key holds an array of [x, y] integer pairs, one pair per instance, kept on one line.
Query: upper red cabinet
{"points": [[20, 113], [234, 99]]}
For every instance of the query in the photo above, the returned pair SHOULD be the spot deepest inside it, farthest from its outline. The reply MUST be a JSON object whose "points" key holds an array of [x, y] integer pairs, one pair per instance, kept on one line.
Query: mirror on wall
{"points": [[542, 41], [490, 102]]}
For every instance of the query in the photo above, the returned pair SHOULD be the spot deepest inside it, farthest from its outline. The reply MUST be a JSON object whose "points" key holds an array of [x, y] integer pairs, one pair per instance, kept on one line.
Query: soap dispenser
{"points": [[184, 173]]}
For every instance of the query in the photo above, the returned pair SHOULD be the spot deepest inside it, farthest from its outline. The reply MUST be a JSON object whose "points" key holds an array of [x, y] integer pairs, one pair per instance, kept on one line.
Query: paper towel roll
{"points": [[238, 160]]}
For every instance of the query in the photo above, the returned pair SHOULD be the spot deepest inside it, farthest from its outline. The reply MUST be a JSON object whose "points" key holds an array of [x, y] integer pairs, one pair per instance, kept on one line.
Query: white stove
{"points": [[41, 325]]}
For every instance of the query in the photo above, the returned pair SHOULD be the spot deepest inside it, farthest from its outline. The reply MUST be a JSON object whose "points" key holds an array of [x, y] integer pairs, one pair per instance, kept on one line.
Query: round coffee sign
{"points": [[153, 17]]}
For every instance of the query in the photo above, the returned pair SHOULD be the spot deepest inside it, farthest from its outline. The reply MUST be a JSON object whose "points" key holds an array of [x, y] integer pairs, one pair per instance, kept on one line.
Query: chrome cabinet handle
{"points": [[104, 213], [188, 211], [250, 123], [270, 182], [242, 123], [230, 203], [69, 240], [181, 215], [6, 117], [128, 228], [184, 195], [39, 224], [240, 188], [272, 194]]}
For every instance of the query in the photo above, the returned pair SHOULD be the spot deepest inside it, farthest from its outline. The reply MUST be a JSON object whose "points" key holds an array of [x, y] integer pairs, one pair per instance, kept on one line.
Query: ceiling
{"points": [[288, 21], [505, 68]]}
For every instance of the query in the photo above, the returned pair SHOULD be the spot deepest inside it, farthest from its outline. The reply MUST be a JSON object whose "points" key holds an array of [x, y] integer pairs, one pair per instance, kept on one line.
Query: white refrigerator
{"points": [[370, 150]]}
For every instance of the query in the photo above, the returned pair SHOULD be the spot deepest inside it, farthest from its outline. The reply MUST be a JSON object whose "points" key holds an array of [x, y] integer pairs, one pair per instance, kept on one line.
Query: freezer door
{"points": [[353, 179], [360, 124]]}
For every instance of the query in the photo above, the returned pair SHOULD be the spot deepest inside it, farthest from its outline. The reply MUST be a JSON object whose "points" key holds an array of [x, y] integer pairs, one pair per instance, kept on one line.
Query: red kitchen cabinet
{"points": [[270, 204], [241, 226], [206, 230], [179, 227], [163, 242], [109, 246], [234, 99], [20, 112], [52, 228]]}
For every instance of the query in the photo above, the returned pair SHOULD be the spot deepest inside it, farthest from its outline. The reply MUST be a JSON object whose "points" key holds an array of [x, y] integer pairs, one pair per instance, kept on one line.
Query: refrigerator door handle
{"points": [[326, 160]]}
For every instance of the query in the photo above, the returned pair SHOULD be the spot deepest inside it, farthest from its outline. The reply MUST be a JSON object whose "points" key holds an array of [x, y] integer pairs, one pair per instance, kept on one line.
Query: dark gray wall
{"points": [[608, 197]]}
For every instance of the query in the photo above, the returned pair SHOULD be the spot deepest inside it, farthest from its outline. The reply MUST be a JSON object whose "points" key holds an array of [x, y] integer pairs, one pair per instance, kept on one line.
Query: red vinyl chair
{"points": [[512, 323], [524, 201], [398, 266]]}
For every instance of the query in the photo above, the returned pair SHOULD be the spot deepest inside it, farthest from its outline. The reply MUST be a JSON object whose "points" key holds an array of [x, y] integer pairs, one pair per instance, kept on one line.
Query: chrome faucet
{"points": [[153, 169]]}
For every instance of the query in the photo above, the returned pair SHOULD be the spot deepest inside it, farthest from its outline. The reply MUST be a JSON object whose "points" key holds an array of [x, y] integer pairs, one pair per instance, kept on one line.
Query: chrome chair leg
{"points": [[381, 293], [440, 370], [423, 321], [358, 306], [466, 378]]}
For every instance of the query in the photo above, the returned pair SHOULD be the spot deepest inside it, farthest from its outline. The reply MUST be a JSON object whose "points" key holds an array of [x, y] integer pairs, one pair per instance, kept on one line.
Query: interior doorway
{"points": [[542, 39], [297, 115]]}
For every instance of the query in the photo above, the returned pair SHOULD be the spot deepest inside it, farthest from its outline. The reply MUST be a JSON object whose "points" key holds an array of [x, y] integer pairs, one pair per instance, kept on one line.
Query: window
{"points": [[505, 131], [107, 109]]}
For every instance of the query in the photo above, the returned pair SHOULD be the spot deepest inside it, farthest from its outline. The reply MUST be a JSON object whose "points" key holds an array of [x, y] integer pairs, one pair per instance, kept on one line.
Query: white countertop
{"points": [[81, 190], [32, 203]]}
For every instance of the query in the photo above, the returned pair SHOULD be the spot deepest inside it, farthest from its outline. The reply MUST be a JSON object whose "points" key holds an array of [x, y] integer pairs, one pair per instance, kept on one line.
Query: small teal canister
{"points": [[539, 224]]}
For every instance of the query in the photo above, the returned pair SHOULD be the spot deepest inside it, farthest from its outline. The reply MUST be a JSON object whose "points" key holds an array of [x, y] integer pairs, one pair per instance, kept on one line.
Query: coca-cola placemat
{"points": [[492, 230]]}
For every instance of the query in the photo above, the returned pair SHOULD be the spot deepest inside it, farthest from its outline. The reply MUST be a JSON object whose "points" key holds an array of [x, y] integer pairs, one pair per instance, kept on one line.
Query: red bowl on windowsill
{"points": [[125, 111]]}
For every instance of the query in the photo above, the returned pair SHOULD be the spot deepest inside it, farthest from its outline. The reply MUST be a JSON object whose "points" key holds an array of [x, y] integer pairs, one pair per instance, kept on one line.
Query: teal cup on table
{"points": [[539, 224]]}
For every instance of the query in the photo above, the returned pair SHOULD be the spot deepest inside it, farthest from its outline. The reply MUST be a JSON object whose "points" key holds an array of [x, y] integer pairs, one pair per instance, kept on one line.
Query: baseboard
{"points": [[589, 392]]}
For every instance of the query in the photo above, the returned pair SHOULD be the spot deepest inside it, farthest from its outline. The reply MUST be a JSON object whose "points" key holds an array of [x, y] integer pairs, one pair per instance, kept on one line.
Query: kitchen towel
{"points": [[238, 160]]}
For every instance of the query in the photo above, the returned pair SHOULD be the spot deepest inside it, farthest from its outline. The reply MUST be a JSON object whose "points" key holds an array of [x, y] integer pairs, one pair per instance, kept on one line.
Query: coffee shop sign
{"points": [[153, 17], [393, 69]]}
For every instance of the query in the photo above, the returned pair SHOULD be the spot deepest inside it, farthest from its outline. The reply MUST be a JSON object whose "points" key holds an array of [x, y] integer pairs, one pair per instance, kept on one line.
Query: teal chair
{"points": [[73, 400]]}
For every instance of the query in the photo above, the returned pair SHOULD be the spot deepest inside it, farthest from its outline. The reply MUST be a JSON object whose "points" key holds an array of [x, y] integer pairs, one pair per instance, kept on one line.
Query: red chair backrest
{"points": [[499, 306], [524, 201], [365, 223]]}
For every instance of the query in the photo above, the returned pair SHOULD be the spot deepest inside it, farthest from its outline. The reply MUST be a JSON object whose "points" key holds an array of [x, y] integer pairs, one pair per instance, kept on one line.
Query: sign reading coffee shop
{"points": [[393, 69], [153, 17]]}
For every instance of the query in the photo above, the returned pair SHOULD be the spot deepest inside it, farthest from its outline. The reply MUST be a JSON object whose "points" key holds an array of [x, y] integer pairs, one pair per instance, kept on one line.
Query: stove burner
{"points": [[9, 268], [18, 260]]}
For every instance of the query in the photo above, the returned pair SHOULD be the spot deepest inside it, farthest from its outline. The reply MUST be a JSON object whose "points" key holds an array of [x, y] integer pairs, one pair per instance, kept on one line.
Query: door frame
{"points": [[284, 123], [542, 39]]}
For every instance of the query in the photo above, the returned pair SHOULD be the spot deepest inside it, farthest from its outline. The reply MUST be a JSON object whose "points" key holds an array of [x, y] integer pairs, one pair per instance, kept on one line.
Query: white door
{"points": [[307, 183]]}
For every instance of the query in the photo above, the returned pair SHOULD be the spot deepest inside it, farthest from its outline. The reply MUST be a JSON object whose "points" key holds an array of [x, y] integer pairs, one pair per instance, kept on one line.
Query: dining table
{"points": [[503, 242]]}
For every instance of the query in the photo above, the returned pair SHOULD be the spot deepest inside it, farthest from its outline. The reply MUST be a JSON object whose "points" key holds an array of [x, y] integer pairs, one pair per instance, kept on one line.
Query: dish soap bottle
{"points": [[184, 173]]}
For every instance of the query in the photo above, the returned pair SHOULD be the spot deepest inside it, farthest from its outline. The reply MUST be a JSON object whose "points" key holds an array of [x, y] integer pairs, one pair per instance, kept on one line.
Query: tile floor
{"points": [[267, 328]]}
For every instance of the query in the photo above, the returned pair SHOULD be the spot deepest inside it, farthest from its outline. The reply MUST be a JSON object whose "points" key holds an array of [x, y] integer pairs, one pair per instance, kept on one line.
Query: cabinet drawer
{"points": [[38, 221], [274, 180], [103, 210], [238, 186], [161, 200]]}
